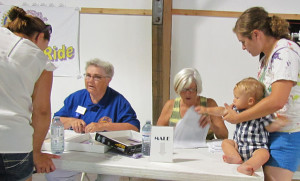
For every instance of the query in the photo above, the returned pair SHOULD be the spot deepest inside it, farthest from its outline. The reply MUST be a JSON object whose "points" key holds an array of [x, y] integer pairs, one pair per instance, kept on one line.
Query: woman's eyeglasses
{"points": [[189, 89], [48, 28]]}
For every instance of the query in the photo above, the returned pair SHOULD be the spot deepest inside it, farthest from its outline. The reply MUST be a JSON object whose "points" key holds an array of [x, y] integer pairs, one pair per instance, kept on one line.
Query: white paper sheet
{"points": [[188, 133], [215, 146]]}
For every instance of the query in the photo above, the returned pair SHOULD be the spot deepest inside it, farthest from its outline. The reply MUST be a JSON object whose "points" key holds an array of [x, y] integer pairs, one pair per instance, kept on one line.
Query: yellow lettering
{"points": [[48, 52], [55, 54], [70, 52], [62, 53]]}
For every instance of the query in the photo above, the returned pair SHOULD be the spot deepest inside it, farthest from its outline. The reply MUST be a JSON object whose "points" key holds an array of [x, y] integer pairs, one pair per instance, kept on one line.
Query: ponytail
{"points": [[23, 23]]}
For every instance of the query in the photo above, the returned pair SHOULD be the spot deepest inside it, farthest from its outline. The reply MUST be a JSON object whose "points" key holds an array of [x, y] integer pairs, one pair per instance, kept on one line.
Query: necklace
{"points": [[262, 71]]}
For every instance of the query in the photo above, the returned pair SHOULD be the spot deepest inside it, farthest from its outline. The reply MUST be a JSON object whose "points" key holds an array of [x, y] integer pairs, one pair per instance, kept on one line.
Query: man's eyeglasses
{"points": [[95, 77], [189, 89]]}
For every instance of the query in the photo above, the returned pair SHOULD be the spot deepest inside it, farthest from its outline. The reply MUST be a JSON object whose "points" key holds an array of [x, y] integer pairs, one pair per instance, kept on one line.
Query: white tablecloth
{"points": [[188, 164]]}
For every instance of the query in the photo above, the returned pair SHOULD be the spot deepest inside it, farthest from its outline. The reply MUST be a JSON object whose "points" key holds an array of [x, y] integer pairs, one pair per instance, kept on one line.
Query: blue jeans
{"points": [[16, 166]]}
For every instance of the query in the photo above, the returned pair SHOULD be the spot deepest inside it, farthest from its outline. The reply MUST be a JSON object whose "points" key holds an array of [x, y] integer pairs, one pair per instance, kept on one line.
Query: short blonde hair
{"points": [[184, 79], [108, 67], [252, 87]]}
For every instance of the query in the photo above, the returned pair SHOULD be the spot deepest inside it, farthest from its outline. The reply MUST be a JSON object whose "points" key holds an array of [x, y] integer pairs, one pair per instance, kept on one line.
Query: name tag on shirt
{"points": [[81, 110]]}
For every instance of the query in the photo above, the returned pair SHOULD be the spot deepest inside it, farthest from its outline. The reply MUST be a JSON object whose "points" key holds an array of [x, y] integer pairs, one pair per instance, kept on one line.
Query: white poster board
{"points": [[63, 49]]}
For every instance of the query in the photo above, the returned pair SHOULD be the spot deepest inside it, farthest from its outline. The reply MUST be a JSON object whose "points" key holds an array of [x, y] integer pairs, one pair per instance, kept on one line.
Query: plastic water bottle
{"points": [[57, 136], [146, 138]]}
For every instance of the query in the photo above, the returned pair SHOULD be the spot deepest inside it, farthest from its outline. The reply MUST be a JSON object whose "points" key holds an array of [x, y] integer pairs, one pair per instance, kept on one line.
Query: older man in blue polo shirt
{"points": [[95, 108]]}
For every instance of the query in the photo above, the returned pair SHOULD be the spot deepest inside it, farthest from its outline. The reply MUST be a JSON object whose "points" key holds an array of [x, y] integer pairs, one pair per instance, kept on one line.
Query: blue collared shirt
{"points": [[113, 107]]}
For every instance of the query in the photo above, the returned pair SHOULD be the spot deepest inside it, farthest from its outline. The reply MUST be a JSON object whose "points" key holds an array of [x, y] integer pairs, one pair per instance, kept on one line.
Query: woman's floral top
{"points": [[284, 64]]}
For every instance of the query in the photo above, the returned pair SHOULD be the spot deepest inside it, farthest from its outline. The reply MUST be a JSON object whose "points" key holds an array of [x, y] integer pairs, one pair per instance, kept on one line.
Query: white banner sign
{"points": [[63, 49]]}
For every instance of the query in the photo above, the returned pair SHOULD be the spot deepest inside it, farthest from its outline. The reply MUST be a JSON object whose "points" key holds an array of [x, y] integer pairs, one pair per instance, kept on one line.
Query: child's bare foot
{"points": [[232, 159], [246, 169]]}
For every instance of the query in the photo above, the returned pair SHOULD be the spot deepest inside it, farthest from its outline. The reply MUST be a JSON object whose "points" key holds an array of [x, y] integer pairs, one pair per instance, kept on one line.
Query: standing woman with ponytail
{"points": [[279, 71], [25, 88]]}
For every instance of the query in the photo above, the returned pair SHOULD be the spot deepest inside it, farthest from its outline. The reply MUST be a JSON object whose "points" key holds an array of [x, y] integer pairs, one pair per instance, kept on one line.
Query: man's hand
{"points": [[78, 125], [93, 127], [43, 162]]}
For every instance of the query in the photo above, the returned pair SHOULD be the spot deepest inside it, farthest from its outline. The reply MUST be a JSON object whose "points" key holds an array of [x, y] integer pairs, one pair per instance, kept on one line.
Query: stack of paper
{"points": [[188, 133], [215, 146]]}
